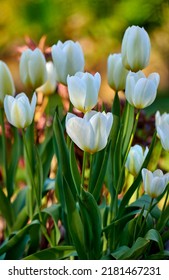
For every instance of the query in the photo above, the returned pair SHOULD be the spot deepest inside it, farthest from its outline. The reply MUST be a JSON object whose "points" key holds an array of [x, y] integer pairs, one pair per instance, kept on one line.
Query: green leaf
{"points": [[75, 225], [100, 172], [62, 153], [55, 253], [136, 251], [154, 235], [54, 211], [46, 151], [21, 219], [159, 256], [92, 224], [128, 122], [18, 236], [38, 177], [6, 209], [74, 168], [15, 154], [20, 201]]}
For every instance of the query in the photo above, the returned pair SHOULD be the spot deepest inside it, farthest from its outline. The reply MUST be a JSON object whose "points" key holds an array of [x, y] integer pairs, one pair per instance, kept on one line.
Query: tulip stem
{"points": [[33, 188], [145, 219], [83, 168], [4, 158]]}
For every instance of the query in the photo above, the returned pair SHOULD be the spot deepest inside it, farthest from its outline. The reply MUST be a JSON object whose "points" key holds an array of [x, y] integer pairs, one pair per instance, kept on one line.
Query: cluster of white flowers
{"points": [[90, 133]]}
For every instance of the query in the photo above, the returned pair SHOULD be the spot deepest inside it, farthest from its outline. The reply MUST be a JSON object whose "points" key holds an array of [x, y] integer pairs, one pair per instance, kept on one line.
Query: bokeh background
{"points": [[98, 25]]}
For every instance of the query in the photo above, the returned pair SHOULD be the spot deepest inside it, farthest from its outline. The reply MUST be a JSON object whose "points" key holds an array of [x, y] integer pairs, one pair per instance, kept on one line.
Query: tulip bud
{"points": [[135, 48], [51, 83], [91, 132], [135, 159], [154, 182], [83, 90], [68, 59], [33, 68], [140, 91], [162, 127], [19, 111], [116, 72], [6, 82]]}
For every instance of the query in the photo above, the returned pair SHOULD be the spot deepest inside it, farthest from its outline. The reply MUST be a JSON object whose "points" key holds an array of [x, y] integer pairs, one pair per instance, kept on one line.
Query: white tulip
{"points": [[140, 91], [162, 127], [19, 111], [154, 182], [91, 132], [135, 159], [135, 48], [6, 82], [116, 72], [68, 59], [51, 83], [33, 68], [83, 90]]}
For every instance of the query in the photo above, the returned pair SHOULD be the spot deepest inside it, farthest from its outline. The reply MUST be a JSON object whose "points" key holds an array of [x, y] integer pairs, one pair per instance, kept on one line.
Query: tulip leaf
{"points": [[46, 152], [128, 121], [39, 177], [54, 211], [62, 153], [6, 209], [102, 172], [133, 253], [91, 219], [74, 168], [18, 236], [55, 253], [154, 235], [74, 221], [15, 154], [21, 220]]}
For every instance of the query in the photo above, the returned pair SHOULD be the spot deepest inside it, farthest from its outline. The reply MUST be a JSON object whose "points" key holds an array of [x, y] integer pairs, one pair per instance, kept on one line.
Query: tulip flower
{"points": [[19, 111], [68, 59], [116, 72], [83, 90], [91, 132], [51, 83], [154, 182], [160, 119], [6, 82], [135, 159], [141, 91], [33, 68], [162, 127], [135, 48]]}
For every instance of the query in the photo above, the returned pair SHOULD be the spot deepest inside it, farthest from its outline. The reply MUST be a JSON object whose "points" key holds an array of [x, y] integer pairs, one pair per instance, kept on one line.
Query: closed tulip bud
{"points": [[19, 111], [6, 82], [154, 182], [135, 159], [51, 83], [33, 68], [140, 91], [83, 90], [135, 48], [91, 132], [68, 59], [116, 72], [162, 127]]}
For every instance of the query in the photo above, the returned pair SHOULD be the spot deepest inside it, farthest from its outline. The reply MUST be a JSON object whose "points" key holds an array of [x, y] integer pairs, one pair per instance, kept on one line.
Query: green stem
{"points": [[33, 188], [148, 211], [83, 168], [4, 158]]}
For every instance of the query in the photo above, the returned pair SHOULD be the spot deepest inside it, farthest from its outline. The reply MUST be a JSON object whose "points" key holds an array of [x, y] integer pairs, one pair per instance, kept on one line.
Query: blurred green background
{"points": [[98, 25]]}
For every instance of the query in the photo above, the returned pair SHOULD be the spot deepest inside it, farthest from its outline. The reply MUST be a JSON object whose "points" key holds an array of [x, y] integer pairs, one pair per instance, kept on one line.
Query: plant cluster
{"points": [[112, 204]]}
